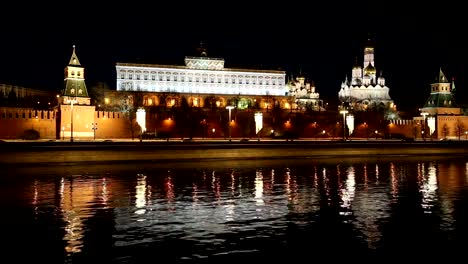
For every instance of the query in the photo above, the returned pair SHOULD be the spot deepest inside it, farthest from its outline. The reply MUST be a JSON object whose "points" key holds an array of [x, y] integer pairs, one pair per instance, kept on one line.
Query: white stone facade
{"points": [[200, 75], [365, 89]]}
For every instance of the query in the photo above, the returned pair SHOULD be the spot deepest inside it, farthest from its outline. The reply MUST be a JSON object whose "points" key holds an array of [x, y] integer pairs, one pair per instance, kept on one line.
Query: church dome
{"points": [[370, 70]]}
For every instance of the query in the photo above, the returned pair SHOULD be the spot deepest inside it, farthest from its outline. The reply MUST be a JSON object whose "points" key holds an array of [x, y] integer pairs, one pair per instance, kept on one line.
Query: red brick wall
{"points": [[14, 121]]}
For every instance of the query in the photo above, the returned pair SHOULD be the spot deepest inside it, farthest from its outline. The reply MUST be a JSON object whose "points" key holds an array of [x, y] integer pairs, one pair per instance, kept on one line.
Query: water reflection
{"points": [[373, 206]]}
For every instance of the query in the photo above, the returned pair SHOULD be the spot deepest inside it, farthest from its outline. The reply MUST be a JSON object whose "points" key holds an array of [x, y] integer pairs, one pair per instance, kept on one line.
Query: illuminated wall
{"points": [[14, 121]]}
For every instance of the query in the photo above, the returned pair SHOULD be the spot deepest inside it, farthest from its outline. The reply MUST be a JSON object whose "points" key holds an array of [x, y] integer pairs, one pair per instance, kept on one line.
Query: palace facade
{"points": [[205, 82]]}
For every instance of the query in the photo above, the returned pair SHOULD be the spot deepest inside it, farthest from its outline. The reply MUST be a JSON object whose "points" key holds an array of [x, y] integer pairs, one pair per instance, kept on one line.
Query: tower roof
{"points": [[74, 59], [441, 78]]}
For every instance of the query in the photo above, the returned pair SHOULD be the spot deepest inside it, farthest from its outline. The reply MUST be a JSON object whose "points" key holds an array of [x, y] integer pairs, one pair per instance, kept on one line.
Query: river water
{"points": [[390, 208]]}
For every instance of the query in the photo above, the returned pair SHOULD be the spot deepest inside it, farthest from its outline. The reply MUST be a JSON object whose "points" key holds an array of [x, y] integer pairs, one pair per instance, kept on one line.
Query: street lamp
{"points": [[94, 129], [466, 135], [424, 114], [344, 112], [63, 133], [376, 134], [366, 126], [71, 120], [229, 107]]}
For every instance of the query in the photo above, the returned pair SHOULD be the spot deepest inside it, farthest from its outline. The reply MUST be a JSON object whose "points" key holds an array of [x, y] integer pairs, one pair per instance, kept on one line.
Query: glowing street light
{"points": [[424, 114], [229, 107], [344, 112]]}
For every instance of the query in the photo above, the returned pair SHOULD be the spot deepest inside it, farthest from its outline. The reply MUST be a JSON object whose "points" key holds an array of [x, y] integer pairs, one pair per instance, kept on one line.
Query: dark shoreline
{"points": [[122, 152]]}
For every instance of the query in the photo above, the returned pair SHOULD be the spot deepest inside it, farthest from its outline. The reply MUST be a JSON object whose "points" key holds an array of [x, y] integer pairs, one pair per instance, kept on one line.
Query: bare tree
{"points": [[445, 130], [459, 127], [127, 103]]}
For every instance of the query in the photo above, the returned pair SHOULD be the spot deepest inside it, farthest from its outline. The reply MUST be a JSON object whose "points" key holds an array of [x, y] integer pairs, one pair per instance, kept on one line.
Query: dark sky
{"points": [[322, 40]]}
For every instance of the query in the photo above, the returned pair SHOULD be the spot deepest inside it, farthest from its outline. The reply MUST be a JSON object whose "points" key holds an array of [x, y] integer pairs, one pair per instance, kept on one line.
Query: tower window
{"points": [[80, 91], [79, 73], [72, 91], [73, 73]]}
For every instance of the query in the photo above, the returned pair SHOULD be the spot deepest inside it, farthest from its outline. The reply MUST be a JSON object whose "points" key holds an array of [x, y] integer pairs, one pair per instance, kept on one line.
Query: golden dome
{"points": [[370, 69]]}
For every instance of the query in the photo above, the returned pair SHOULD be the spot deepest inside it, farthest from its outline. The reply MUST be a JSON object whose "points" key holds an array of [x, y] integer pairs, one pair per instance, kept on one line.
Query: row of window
{"points": [[78, 73], [434, 89], [204, 78], [108, 114]]}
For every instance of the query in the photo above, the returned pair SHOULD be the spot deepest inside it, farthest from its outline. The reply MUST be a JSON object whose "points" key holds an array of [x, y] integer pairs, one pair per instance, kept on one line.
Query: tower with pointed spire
{"points": [[76, 115], [441, 117], [365, 90], [441, 100], [74, 82]]}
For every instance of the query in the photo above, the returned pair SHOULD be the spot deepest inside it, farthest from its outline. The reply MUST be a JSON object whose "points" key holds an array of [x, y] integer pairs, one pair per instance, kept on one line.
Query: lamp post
{"points": [[344, 112], [366, 126], [63, 133], [94, 129], [229, 107], [204, 128], [424, 114], [466, 135], [71, 120]]}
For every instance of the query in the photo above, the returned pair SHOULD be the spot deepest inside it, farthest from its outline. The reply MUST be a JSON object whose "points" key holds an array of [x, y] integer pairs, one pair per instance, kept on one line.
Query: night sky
{"points": [[321, 40]]}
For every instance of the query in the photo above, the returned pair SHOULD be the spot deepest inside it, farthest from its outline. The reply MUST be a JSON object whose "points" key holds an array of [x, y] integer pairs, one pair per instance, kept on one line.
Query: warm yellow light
{"points": [[172, 102], [218, 103], [286, 105], [106, 100], [150, 102]]}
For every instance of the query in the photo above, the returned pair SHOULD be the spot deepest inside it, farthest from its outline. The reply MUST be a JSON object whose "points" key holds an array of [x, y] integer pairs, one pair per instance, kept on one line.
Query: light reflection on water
{"points": [[366, 209]]}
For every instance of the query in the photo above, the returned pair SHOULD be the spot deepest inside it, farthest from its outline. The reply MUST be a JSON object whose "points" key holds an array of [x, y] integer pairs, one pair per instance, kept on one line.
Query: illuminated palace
{"points": [[365, 89], [204, 82]]}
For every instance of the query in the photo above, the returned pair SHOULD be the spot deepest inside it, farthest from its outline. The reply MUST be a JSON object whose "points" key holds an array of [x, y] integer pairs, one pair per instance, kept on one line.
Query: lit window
{"points": [[79, 73], [80, 91], [150, 102]]}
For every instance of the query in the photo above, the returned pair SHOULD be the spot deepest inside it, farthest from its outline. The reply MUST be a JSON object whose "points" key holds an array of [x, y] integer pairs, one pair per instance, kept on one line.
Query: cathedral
{"points": [[365, 90]]}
